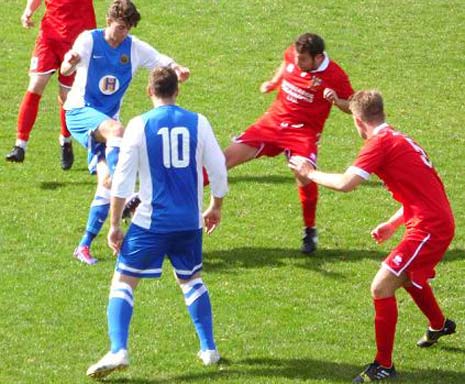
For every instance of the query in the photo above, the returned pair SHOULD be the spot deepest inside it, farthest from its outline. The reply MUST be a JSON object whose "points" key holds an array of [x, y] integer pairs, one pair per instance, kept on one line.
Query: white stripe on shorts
{"points": [[184, 272], [125, 267], [415, 254]]}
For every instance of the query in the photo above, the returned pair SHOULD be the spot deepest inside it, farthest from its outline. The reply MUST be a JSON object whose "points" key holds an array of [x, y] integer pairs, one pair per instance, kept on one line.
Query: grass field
{"points": [[280, 317]]}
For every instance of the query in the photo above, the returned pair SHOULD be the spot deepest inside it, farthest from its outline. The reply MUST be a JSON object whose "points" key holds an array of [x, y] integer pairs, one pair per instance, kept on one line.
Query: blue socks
{"points": [[97, 215], [199, 307], [119, 313]]}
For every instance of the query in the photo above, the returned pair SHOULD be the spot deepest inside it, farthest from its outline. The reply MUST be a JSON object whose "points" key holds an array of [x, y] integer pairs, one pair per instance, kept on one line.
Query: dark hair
{"points": [[310, 43], [124, 10], [367, 105], [163, 82]]}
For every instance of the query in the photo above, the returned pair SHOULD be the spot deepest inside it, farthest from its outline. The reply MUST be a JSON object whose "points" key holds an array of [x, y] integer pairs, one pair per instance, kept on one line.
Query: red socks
{"points": [[385, 329], [308, 197], [64, 130], [425, 300], [27, 115]]}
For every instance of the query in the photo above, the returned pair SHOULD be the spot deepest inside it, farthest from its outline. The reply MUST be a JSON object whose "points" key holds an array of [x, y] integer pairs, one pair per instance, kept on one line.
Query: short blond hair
{"points": [[367, 105]]}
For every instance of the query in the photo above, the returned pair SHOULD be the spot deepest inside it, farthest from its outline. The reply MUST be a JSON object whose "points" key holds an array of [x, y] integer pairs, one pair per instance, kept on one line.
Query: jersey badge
{"points": [[108, 84], [124, 59], [314, 83]]}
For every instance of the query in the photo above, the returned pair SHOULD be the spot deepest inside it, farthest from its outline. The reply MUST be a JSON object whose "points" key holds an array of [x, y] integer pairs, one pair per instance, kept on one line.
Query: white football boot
{"points": [[109, 363], [209, 356]]}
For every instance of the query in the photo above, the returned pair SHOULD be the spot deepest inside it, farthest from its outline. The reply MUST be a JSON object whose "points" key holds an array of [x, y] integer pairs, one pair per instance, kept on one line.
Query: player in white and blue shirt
{"points": [[105, 61], [167, 147]]}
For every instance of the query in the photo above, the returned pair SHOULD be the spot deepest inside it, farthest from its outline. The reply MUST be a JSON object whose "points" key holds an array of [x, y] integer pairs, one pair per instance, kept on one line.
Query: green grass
{"points": [[280, 317]]}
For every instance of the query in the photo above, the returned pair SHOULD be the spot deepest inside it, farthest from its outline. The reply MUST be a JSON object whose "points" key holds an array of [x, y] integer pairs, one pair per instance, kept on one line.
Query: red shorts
{"points": [[47, 58], [271, 140], [417, 255]]}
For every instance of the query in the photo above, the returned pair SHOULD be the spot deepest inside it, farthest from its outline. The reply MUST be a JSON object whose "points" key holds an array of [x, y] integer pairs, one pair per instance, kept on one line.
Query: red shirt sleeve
{"points": [[370, 158]]}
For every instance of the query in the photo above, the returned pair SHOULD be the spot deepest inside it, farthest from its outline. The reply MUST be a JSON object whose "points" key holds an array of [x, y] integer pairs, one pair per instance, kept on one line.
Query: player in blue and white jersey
{"points": [[105, 61], [167, 147]]}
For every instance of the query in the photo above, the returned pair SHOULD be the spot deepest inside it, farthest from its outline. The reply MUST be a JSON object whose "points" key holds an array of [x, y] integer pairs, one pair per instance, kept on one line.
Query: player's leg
{"points": [[27, 115], [308, 195], [98, 213], [383, 290], [429, 252], [308, 192], [238, 153], [186, 257], [235, 154], [119, 314], [65, 83], [141, 256], [111, 132], [65, 140], [426, 301]]}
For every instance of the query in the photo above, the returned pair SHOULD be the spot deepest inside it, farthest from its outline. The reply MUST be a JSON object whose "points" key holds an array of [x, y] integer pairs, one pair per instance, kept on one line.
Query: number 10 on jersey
{"points": [[175, 143]]}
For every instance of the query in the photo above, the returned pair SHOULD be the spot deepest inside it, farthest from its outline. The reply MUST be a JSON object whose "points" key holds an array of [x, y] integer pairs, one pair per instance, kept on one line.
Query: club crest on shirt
{"points": [[314, 83], [124, 59], [108, 84]]}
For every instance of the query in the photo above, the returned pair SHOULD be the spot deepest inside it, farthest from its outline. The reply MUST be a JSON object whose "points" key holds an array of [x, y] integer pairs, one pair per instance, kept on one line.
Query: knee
{"points": [[378, 291], [189, 281], [106, 182], [37, 83], [117, 129]]}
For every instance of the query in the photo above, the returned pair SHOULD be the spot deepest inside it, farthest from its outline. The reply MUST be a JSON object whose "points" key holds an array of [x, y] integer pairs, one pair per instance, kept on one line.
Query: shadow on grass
{"points": [[262, 179], [250, 257], [296, 369], [53, 185]]}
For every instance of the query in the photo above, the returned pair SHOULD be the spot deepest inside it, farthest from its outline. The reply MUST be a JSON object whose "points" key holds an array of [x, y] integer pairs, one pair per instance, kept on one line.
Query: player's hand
{"points": [[26, 19], [115, 239], [72, 58], [268, 86], [211, 219], [330, 95], [383, 232], [302, 167], [182, 72]]}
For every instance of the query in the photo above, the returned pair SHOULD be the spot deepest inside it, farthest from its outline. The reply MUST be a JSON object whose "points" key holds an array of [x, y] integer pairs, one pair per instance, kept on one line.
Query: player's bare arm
{"points": [[342, 182], [331, 95], [271, 85], [212, 215], [115, 234], [385, 230], [26, 17], [70, 61]]}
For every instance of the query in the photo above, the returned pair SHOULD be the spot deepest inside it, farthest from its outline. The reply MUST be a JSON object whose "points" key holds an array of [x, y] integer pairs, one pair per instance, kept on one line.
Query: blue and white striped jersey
{"points": [[104, 73], [167, 147]]}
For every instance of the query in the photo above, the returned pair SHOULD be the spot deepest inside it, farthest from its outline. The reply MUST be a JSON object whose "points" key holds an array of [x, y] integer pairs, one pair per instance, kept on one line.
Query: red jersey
{"points": [[409, 175], [300, 102], [64, 20]]}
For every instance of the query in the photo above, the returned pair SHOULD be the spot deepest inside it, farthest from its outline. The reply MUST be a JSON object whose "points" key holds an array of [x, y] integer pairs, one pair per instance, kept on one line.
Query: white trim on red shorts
{"points": [[415, 254]]}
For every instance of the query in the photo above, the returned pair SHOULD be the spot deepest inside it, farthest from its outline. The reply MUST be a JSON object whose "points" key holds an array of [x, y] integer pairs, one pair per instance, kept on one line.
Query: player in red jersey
{"points": [[308, 84], [62, 22], [407, 172]]}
